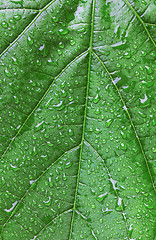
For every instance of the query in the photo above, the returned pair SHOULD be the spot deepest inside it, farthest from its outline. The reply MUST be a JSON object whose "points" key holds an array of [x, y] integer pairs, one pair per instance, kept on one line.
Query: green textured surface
{"points": [[77, 120]]}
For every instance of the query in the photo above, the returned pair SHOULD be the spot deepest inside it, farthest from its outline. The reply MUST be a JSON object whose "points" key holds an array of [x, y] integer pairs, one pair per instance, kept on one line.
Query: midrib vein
{"points": [[29, 25], [136, 134], [85, 114]]}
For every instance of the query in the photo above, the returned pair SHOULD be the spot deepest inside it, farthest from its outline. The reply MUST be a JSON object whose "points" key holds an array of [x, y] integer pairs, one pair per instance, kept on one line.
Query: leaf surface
{"points": [[77, 140]]}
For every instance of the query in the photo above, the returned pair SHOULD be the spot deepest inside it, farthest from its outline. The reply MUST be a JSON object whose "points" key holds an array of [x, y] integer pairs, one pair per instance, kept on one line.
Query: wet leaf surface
{"points": [[77, 120]]}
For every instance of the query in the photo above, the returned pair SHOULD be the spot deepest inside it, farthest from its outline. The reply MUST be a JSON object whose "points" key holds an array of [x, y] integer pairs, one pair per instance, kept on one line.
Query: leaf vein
{"points": [[25, 194], [55, 78], [67, 211], [136, 134], [35, 18], [140, 19], [85, 112], [110, 177]]}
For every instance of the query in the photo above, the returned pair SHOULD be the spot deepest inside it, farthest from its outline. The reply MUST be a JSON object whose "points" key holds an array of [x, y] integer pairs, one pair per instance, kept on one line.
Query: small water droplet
{"points": [[108, 122], [98, 111], [7, 73], [48, 103], [127, 55], [145, 101], [39, 126], [30, 40], [101, 197], [120, 205], [4, 24], [59, 106], [100, 38], [154, 149], [55, 19], [68, 165], [63, 31], [97, 98], [118, 65], [148, 69], [148, 206], [72, 42], [13, 206], [17, 17], [71, 132]]}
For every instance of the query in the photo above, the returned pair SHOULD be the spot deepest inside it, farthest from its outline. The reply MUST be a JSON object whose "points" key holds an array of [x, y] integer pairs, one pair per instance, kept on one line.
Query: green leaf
{"points": [[77, 139]]}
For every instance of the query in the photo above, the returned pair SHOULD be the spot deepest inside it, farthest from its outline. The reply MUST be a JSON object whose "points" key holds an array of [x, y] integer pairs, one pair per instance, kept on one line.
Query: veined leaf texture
{"points": [[77, 119]]}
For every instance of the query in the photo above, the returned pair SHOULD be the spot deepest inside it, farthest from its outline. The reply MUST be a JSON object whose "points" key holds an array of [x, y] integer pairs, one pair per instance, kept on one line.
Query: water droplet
{"points": [[15, 61], [72, 42], [7, 73], [108, 122], [127, 55], [97, 111], [148, 69], [63, 31], [30, 41], [123, 146], [81, 30], [130, 230], [145, 101], [59, 52], [41, 48], [71, 132], [16, 99], [13, 206], [154, 149], [97, 130], [118, 65], [50, 182], [148, 84], [123, 134], [101, 220], [59, 106], [12, 21], [97, 98], [48, 103], [39, 126], [120, 205], [63, 93], [50, 144], [101, 197], [4, 24], [100, 38], [68, 165], [48, 202], [17, 17], [55, 19], [148, 206], [61, 45], [13, 27], [113, 183], [64, 177], [51, 62]]}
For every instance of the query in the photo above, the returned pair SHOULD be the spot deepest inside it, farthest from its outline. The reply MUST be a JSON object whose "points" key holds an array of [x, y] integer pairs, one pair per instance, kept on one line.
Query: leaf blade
{"points": [[79, 161]]}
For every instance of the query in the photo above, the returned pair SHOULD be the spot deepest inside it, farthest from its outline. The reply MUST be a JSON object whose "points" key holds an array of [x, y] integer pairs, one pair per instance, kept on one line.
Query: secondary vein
{"points": [[25, 194], [142, 22], [54, 79], [136, 134], [37, 16]]}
